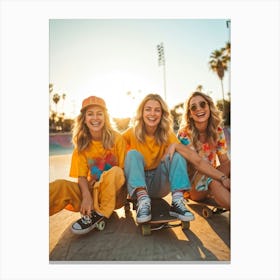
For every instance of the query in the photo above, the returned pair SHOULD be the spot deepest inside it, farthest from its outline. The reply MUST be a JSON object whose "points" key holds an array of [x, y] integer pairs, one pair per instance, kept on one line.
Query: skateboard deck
{"points": [[209, 207], [160, 217]]}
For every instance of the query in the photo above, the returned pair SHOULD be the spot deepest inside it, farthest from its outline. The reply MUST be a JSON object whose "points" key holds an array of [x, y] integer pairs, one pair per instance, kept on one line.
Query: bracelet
{"points": [[223, 177]]}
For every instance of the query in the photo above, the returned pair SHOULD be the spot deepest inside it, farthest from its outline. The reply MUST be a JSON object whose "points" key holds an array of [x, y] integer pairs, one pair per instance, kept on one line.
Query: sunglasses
{"points": [[202, 104]]}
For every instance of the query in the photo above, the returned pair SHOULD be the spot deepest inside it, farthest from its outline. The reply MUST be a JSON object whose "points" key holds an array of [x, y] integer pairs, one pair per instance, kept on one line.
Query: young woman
{"points": [[152, 167], [201, 130], [97, 162]]}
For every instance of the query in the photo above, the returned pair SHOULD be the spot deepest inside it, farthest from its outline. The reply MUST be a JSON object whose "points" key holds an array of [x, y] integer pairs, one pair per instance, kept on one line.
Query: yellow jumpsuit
{"points": [[96, 163]]}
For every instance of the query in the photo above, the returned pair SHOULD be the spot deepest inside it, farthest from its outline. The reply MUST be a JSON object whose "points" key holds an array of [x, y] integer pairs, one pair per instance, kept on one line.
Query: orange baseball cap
{"points": [[93, 100]]}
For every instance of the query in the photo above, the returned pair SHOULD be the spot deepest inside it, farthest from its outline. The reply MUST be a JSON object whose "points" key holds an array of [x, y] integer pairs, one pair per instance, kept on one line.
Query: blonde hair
{"points": [[164, 128], [215, 120], [82, 137]]}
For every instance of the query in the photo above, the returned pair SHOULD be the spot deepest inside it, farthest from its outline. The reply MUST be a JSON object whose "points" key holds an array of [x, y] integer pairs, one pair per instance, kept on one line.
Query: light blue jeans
{"points": [[168, 176]]}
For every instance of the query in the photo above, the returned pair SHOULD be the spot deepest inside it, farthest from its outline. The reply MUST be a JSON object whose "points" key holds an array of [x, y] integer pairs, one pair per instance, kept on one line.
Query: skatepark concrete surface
{"points": [[207, 240]]}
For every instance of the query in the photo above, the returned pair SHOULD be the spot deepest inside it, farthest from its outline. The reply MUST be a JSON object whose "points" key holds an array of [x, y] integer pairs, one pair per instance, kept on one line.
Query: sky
{"points": [[117, 59]]}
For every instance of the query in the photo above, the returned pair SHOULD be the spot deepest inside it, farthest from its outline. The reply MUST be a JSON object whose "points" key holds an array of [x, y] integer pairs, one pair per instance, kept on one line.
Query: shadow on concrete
{"points": [[121, 241], [220, 223]]}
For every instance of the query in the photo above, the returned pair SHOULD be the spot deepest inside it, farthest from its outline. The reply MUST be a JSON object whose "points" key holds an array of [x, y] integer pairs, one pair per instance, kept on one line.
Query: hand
{"points": [[226, 183], [86, 205], [170, 151]]}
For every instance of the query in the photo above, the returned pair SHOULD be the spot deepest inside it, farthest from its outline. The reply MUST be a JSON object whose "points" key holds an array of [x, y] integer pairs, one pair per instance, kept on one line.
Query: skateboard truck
{"points": [[147, 228]]}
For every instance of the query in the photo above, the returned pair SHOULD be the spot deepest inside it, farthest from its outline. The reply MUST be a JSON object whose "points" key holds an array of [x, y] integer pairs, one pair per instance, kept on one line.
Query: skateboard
{"points": [[209, 207], [160, 217]]}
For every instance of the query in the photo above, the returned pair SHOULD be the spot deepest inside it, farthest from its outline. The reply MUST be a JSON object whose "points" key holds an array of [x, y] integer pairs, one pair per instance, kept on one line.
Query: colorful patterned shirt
{"points": [[93, 161], [206, 151]]}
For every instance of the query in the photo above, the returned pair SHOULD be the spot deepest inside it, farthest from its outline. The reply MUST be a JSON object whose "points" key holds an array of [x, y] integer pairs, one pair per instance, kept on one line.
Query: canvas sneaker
{"points": [[143, 213], [178, 209], [86, 223]]}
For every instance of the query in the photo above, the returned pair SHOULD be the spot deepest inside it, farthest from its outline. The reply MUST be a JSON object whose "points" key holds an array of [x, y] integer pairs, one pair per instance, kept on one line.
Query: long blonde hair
{"points": [[81, 136], [164, 128], [215, 120]]}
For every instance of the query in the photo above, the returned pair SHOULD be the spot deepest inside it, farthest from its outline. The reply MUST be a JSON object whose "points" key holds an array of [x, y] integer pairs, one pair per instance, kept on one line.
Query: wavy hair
{"points": [[81, 135], [215, 120], [164, 128]]}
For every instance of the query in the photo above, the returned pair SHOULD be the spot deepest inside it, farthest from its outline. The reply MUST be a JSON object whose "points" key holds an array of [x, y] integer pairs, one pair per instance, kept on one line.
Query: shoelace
{"points": [[180, 204], [144, 206], [86, 219]]}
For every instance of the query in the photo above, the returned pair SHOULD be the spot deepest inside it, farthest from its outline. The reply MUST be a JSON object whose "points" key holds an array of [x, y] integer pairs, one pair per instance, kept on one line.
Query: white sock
{"points": [[177, 195], [141, 194]]}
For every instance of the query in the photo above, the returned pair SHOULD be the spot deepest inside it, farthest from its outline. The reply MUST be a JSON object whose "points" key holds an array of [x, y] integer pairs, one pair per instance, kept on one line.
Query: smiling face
{"points": [[152, 113], [95, 119], [199, 109]]}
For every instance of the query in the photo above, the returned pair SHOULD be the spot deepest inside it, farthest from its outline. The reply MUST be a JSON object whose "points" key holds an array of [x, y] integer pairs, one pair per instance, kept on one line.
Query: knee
{"points": [[132, 155], [117, 174], [178, 158], [117, 171]]}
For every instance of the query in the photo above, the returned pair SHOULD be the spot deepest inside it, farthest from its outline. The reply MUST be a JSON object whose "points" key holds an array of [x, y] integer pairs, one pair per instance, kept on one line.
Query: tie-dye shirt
{"points": [[206, 151], [93, 161]]}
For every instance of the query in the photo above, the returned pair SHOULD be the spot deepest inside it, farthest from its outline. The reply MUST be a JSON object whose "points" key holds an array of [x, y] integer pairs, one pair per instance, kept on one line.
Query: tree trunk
{"points": [[223, 96]]}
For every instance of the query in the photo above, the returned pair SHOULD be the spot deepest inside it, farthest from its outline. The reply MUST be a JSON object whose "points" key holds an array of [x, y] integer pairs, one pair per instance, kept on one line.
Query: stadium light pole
{"points": [[161, 62]]}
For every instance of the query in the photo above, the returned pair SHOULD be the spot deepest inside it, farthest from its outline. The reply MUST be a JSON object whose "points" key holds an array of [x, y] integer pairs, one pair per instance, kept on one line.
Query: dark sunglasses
{"points": [[202, 104]]}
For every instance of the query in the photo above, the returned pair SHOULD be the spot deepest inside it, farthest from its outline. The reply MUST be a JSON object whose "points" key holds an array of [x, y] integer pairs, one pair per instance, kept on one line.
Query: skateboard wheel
{"points": [[217, 210], [127, 207], [146, 230], [185, 225], [101, 225], [206, 212]]}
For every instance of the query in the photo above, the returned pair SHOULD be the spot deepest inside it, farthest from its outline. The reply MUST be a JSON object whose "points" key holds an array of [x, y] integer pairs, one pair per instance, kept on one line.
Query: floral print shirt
{"points": [[206, 151]]}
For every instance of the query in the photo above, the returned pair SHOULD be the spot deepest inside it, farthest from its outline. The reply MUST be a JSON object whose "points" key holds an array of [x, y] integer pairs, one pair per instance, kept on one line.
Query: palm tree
{"points": [[50, 88], [218, 63], [56, 98], [199, 88], [50, 93], [226, 51], [227, 56], [63, 98]]}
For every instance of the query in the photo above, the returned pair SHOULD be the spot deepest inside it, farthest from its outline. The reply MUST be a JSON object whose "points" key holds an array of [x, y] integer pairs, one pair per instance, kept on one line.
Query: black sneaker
{"points": [[86, 223], [178, 209]]}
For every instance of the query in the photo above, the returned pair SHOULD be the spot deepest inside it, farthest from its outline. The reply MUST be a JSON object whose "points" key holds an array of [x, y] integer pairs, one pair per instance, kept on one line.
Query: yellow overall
{"points": [[109, 193]]}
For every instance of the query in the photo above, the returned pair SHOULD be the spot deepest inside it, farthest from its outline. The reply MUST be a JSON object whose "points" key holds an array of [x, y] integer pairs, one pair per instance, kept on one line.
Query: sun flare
{"points": [[122, 92]]}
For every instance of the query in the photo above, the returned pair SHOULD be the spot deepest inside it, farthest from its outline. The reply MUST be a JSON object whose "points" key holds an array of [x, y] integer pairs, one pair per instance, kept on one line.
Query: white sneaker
{"points": [[143, 213]]}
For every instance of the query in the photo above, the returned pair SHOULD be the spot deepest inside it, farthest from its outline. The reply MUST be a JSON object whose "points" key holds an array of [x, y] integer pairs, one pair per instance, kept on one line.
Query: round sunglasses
{"points": [[202, 104]]}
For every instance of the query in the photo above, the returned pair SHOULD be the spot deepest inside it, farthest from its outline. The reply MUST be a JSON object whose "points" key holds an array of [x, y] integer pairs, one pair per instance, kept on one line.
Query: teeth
{"points": [[201, 114]]}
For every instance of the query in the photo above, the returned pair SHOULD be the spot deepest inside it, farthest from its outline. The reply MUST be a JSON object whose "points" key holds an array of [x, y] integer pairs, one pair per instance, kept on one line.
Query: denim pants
{"points": [[168, 176]]}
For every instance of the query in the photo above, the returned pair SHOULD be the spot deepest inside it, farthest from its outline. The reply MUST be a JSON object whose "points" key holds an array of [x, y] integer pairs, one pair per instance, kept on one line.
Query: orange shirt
{"points": [[151, 151], [95, 159]]}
